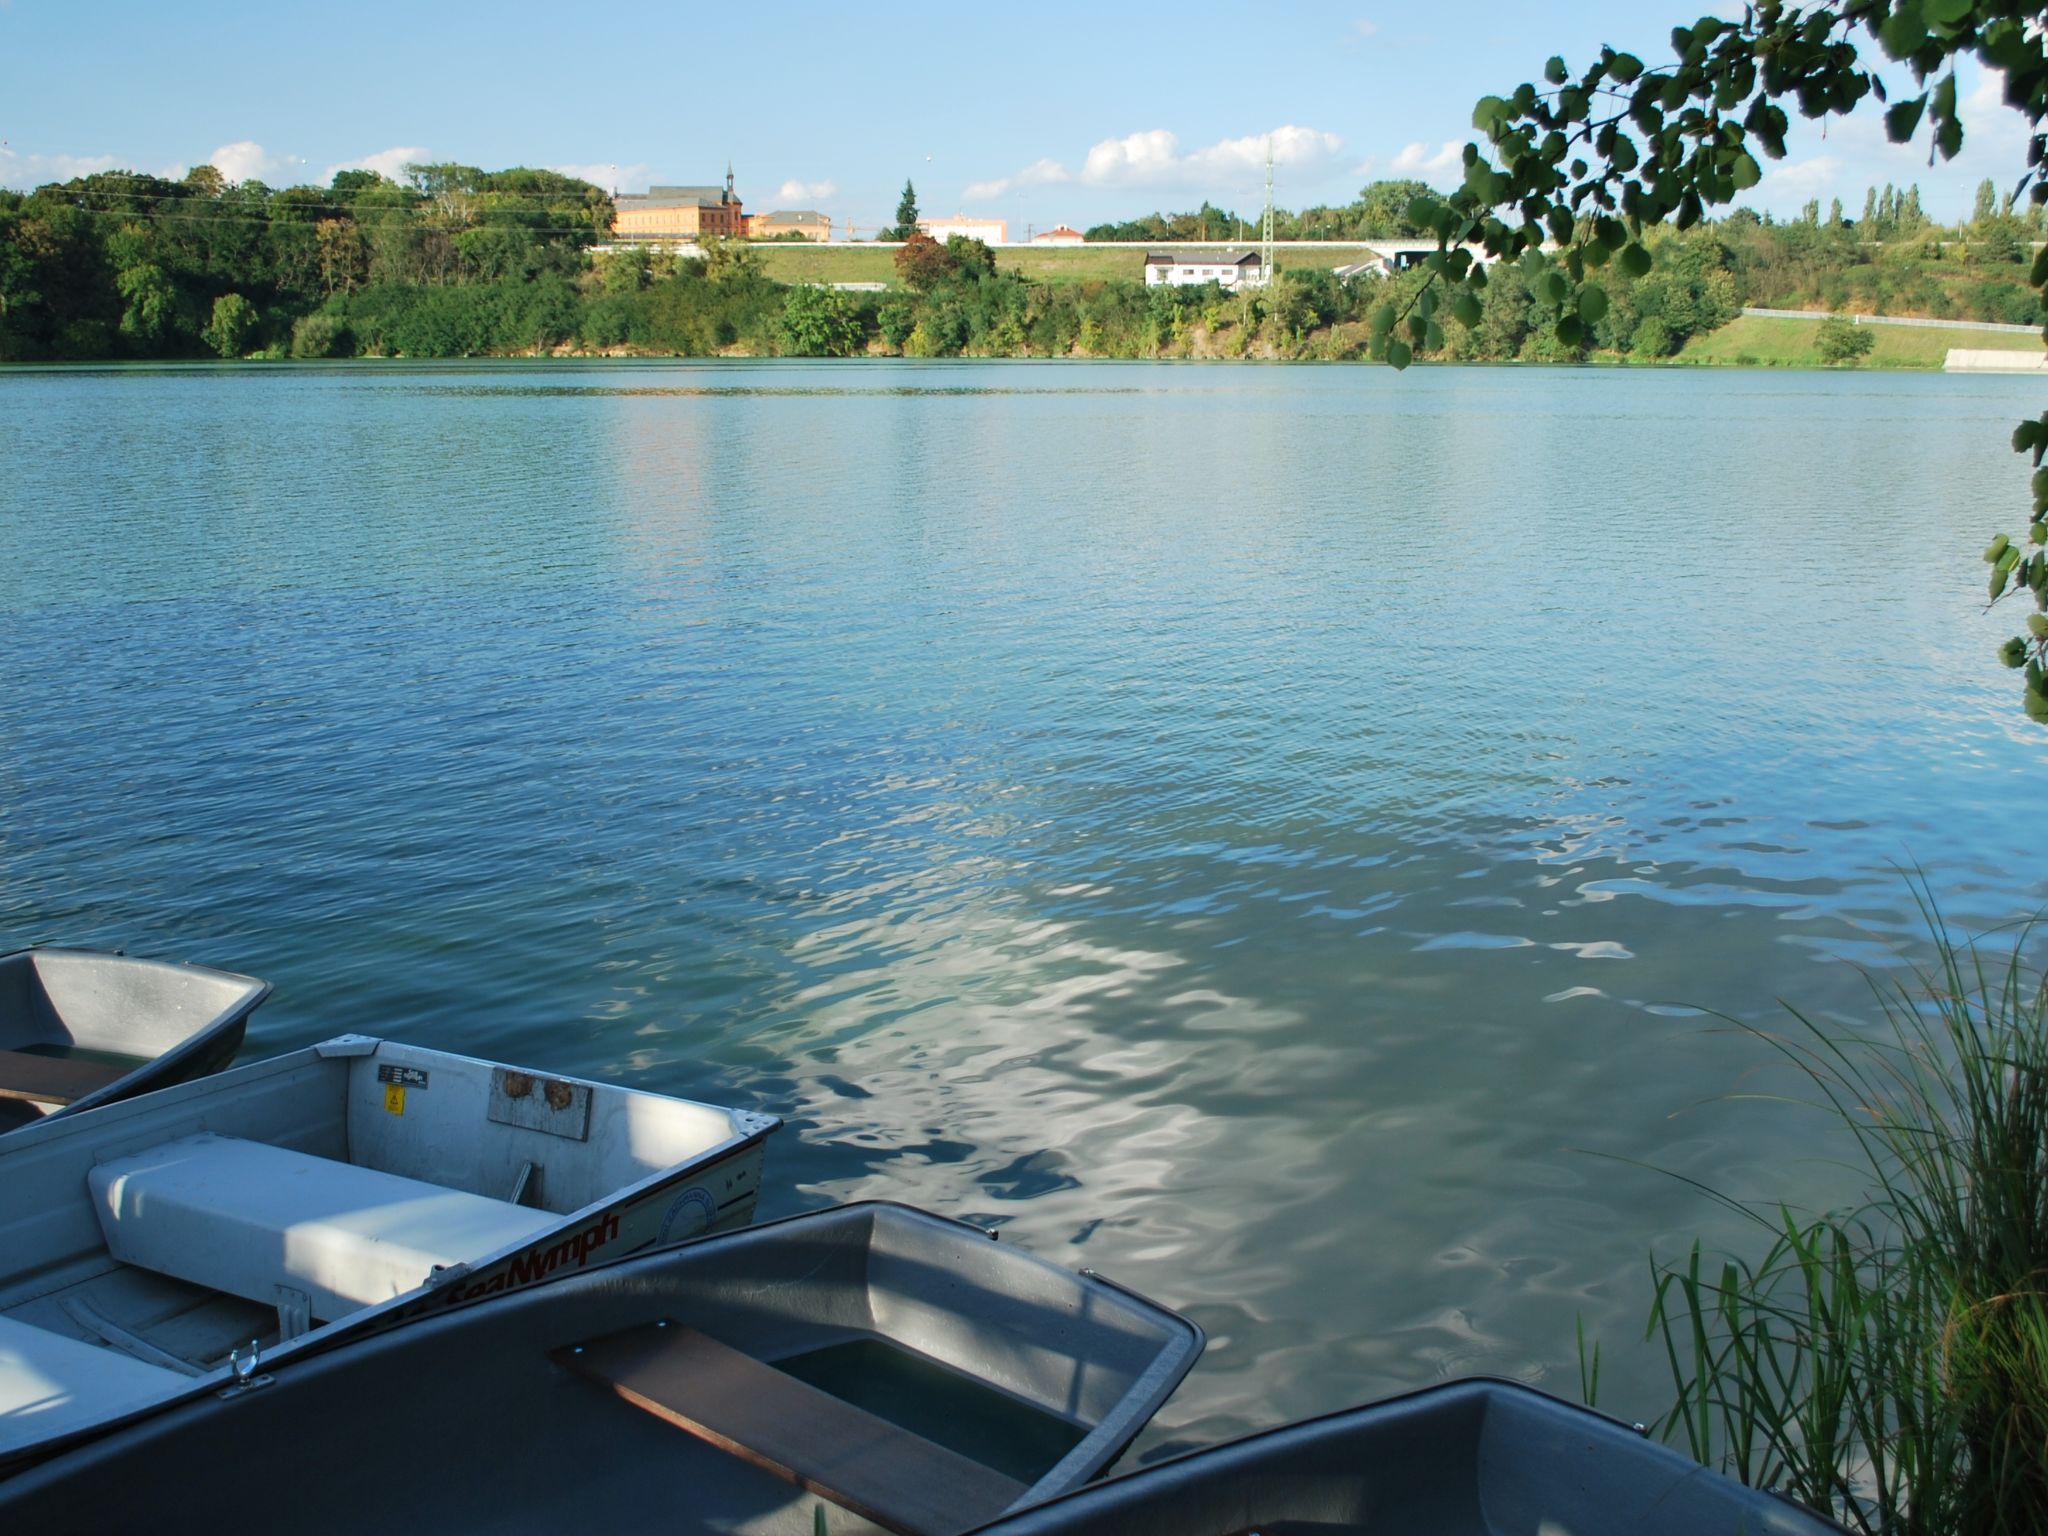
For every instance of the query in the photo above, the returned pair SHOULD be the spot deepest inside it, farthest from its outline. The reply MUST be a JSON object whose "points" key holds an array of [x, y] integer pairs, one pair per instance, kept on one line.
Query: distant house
{"points": [[1379, 266], [1059, 234], [988, 231], [678, 213], [1191, 268], [767, 226]]}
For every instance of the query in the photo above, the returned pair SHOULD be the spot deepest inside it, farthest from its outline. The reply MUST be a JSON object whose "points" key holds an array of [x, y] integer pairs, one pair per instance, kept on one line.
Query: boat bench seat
{"points": [[54, 1079], [255, 1220], [51, 1384], [792, 1430]]}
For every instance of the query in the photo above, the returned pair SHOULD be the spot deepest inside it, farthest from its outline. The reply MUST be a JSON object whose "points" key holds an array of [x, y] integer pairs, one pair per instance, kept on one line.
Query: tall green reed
{"points": [[1888, 1364]]}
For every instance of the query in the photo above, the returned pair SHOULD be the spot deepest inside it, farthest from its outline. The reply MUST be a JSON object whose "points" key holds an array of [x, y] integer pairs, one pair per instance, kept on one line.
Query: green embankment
{"points": [[1772, 342], [854, 262]]}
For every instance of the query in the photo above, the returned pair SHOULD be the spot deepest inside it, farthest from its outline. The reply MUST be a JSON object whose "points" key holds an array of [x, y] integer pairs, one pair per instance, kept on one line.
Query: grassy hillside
{"points": [[1777, 343]]}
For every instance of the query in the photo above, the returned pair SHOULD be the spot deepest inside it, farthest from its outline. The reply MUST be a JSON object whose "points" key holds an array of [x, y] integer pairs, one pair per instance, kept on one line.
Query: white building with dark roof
{"points": [[1193, 267]]}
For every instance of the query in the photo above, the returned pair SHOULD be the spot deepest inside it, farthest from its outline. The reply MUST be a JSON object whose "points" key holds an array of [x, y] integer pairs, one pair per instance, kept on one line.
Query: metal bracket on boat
{"points": [[526, 1188], [294, 1313], [242, 1362], [348, 1045], [441, 1274]]}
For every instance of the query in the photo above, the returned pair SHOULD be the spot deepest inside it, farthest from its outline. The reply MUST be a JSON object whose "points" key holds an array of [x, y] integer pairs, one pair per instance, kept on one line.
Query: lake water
{"points": [[1266, 833]]}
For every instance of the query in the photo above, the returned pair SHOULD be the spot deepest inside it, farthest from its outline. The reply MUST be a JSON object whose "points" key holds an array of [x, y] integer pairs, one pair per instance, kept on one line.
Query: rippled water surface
{"points": [[1268, 834]]}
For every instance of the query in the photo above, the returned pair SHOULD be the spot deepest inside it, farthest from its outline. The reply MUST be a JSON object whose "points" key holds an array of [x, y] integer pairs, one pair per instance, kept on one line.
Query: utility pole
{"points": [[1266, 224]]}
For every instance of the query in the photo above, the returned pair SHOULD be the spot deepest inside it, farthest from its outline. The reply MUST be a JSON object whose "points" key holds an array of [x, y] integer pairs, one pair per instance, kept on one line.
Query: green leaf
{"points": [[1745, 173], [1624, 67], [1383, 320], [1421, 211], [1635, 260], [1996, 548], [1948, 131], [1554, 288], [1399, 354], [1945, 13], [1904, 30], [1570, 331], [1489, 114], [1466, 308], [1903, 120], [1554, 71], [2014, 652], [2037, 706], [1592, 304]]}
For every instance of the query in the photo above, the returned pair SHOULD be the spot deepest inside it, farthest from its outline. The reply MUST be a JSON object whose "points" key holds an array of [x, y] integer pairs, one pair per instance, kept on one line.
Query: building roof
{"points": [[792, 216], [1200, 258], [1059, 232], [676, 197]]}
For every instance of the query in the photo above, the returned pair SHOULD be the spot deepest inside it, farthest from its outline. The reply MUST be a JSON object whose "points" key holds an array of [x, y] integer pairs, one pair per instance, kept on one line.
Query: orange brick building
{"points": [[679, 213]]}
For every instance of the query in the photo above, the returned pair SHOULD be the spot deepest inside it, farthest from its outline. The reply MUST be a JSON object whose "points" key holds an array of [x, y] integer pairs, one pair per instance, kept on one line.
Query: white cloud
{"points": [[794, 191], [1417, 160], [1153, 158], [246, 160], [25, 172], [1039, 173], [1365, 28], [599, 173], [1816, 176], [386, 162]]}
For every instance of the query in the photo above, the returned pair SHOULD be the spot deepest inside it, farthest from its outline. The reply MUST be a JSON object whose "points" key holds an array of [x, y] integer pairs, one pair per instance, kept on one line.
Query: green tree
{"points": [[1842, 341], [906, 215], [818, 322], [1987, 203], [1587, 162], [729, 259], [233, 322], [1383, 208], [149, 312]]}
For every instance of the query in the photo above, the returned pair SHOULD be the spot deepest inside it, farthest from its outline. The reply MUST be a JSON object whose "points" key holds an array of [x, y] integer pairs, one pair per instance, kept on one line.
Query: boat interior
{"points": [[903, 1372], [76, 1024], [142, 1246]]}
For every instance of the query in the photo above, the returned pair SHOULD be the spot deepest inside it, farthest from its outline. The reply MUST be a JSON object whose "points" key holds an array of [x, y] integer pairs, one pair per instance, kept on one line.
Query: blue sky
{"points": [[1039, 114]]}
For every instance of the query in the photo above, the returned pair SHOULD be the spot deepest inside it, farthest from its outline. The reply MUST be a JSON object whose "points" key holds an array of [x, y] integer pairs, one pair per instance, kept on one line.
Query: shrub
{"points": [[1839, 341], [320, 335], [1652, 338]]}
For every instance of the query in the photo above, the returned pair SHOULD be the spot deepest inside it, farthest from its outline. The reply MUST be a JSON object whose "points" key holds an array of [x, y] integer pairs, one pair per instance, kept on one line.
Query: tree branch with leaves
{"points": [[1574, 172]]}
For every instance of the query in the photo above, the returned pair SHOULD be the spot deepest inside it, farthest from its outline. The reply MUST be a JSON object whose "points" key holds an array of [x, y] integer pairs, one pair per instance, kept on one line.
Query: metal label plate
{"points": [[540, 1103]]}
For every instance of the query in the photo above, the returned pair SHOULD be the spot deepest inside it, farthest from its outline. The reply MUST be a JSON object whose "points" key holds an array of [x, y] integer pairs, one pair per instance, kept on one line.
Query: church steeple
{"points": [[728, 183]]}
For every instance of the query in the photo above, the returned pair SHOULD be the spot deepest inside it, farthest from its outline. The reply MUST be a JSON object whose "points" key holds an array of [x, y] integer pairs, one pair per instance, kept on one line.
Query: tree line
{"points": [[456, 261]]}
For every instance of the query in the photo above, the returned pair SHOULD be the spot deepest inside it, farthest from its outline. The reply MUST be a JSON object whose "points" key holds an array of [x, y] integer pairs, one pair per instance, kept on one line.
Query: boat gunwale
{"points": [[1101, 1498]]}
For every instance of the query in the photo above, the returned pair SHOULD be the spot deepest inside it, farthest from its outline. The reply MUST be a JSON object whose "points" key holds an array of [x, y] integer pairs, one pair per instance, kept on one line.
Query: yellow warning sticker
{"points": [[394, 1098]]}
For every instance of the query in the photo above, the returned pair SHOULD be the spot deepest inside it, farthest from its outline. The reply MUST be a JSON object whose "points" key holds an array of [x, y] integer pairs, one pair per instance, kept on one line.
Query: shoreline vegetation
{"points": [[458, 262]]}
